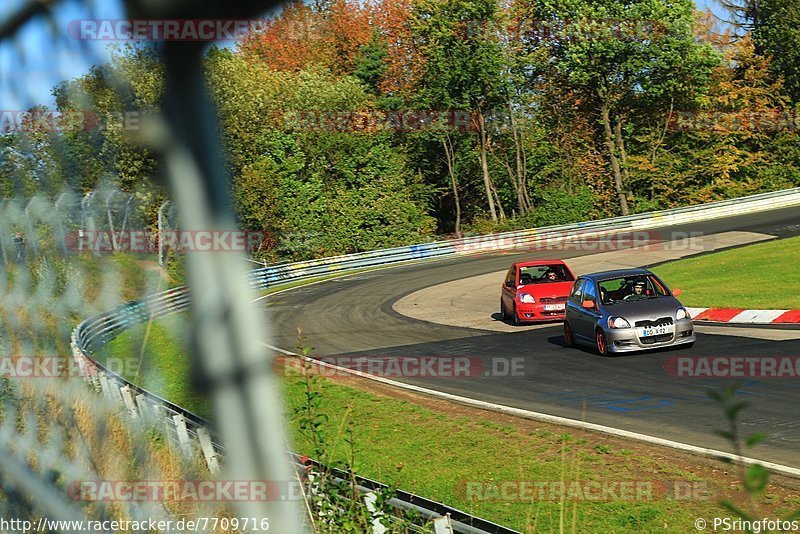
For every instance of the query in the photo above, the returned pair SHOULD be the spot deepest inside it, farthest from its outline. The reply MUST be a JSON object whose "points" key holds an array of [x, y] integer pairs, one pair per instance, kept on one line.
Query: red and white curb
{"points": [[742, 316]]}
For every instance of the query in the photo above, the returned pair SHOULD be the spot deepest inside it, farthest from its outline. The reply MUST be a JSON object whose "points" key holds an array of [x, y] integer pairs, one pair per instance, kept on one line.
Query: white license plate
{"points": [[554, 307], [655, 331]]}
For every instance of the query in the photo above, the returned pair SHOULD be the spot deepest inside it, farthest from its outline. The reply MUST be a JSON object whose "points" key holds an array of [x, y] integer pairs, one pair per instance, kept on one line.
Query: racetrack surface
{"points": [[354, 316]]}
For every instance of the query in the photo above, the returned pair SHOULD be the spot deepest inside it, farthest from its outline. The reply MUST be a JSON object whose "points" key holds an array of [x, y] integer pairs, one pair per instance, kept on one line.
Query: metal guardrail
{"points": [[192, 432], [282, 273]]}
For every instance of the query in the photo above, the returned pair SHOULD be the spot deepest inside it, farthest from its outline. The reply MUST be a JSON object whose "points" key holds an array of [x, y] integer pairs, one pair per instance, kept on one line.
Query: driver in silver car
{"points": [[638, 292]]}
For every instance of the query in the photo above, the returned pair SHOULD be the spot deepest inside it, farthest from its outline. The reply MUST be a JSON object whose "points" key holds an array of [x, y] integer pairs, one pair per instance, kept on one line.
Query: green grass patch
{"points": [[417, 450], [759, 276], [435, 454], [155, 357]]}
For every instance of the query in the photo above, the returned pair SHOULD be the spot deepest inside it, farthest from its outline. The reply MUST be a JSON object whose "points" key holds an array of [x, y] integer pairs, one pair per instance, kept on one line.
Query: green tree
{"points": [[620, 59], [778, 35], [463, 68]]}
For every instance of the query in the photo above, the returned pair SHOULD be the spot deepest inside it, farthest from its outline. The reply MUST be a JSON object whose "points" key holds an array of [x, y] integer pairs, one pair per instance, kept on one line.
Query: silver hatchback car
{"points": [[625, 311]]}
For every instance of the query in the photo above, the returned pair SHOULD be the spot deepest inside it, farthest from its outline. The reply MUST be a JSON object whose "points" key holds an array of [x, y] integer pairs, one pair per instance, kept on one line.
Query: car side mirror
{"points": [[509, 283], [676, 292], [588, 304]]}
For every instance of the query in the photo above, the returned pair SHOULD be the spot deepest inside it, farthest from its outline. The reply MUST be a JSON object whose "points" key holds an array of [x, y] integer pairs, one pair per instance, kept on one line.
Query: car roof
{"points": [[534, 263], [618, 273]]}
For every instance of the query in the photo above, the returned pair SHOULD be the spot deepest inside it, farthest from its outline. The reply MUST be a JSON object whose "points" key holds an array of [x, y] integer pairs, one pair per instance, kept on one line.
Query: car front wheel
{"points": [[602, 345]]}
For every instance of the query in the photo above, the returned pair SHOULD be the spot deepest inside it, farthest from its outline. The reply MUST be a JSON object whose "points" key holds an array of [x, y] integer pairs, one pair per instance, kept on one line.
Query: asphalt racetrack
{"points": [[355, 316]]}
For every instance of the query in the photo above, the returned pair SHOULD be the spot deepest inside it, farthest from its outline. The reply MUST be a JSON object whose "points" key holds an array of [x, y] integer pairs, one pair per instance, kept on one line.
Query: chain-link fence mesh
{"points": [[85, 182]]}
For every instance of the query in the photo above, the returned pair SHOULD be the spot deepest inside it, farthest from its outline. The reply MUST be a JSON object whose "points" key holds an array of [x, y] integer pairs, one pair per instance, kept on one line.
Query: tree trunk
{"points": [[521, 179], [487, 180], [623, 155], [449, 154], [605, 114]]}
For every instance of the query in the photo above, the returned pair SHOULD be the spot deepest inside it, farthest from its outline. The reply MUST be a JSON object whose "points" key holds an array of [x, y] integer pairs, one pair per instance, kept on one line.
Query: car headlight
{"points": [[618, 322], [526, 298], [682, 313]]}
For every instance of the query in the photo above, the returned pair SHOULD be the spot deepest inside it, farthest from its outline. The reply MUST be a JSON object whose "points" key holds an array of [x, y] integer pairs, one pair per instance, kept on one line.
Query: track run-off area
{"points": [[449, 308]]}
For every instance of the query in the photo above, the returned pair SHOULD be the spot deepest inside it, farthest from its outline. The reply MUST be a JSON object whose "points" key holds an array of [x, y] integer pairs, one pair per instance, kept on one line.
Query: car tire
{"points": [[503, 314], [601, 343], [515, 317], [569, 337]]}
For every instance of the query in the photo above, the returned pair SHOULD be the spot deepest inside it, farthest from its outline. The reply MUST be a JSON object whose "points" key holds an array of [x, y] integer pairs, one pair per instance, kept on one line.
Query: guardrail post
{"points": [[127, 398], [207, 447], [113, 388], [183, 434], [377, 526], [104, 385], [442, 525], [145, 408]]}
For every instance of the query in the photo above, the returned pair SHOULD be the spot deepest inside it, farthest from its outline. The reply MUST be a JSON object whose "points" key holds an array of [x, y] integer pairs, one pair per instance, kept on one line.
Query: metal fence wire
{"points": [[82, 447], [61, 444]]}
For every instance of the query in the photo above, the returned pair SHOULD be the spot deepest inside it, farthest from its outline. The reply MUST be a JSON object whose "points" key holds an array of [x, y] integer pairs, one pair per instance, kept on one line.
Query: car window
{"points": [[542, 274], [577, 290], [589, 291], [511, 275], [624, 288]]}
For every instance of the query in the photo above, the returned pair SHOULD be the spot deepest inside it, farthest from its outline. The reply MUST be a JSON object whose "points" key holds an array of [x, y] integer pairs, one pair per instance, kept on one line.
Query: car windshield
{"points": [[631, 288], [544, 274]]}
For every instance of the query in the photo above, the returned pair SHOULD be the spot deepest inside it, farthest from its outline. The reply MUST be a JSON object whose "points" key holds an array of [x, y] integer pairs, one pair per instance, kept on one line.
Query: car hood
{"points": [[547, 289], [645, 310]]}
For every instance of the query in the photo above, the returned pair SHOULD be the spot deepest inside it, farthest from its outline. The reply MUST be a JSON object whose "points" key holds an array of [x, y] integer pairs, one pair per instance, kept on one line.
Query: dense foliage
{"points": [[551, 111]]}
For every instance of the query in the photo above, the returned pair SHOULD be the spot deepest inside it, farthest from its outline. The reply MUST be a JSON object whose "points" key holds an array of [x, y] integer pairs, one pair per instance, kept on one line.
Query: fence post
{"points": [[145, 408], [207, 446], [377, 526], [442, 525], [127, 398], [183, 433]]}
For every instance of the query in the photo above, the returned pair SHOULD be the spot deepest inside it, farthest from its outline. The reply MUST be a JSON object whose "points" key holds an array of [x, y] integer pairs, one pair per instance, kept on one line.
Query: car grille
{"points": [[649, 340], [661, 321], [548, 300]]}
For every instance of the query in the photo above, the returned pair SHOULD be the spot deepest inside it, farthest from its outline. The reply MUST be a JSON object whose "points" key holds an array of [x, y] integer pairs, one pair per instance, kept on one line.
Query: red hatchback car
{"points": [[536, 291]]}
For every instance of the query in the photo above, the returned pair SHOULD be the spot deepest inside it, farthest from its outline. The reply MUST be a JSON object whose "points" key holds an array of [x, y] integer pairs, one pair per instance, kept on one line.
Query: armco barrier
{"points": [[194, 433], [269, 276]]}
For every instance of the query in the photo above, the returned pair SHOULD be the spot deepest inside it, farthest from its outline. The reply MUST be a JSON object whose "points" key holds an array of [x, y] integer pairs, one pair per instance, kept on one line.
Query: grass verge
{"points": [[478, 461], [757, 276]]}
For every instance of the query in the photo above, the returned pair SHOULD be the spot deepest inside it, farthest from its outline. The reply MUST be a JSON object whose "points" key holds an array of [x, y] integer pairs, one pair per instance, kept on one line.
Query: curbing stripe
{"points": [[791, 316], [757, 316], [719, 314], [741, 316], [694, 312], [537, 416]]}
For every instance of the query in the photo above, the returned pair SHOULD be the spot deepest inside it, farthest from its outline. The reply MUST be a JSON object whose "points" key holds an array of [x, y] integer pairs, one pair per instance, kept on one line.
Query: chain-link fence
{"points": [[83, 185]]}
